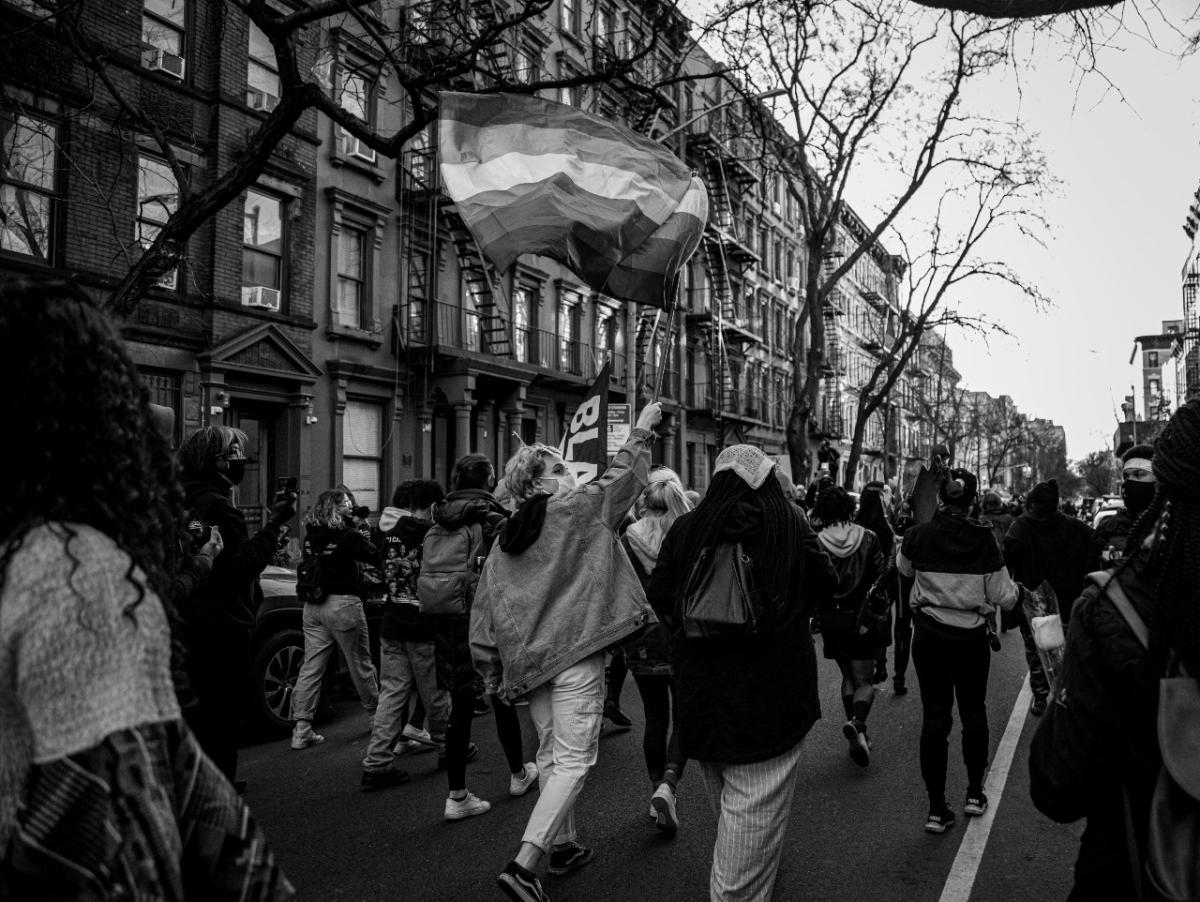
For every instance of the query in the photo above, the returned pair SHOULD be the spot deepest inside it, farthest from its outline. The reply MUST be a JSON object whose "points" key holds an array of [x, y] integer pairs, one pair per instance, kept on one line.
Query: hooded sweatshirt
{"points": [[1056, 549], [854, 551], [398, 538]]}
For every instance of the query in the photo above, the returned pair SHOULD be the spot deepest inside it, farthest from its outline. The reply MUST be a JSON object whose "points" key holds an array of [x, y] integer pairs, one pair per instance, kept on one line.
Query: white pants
{"points": [[753, 803], [567, 712], [339, 620]]}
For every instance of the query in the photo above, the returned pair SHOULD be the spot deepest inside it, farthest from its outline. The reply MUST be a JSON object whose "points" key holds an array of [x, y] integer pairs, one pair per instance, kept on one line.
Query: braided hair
{"points": [[1172, 522], [84, 448], [781, 525]]}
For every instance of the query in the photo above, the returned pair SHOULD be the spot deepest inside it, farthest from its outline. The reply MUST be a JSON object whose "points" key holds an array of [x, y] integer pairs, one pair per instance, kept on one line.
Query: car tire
{"points": [[273, 675]]}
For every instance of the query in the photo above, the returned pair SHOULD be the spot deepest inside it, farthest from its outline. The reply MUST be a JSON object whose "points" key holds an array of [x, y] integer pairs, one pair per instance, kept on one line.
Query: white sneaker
{"points": [[457, 809], [303, 736], [416, 734], [663, 804], [518, 786]]}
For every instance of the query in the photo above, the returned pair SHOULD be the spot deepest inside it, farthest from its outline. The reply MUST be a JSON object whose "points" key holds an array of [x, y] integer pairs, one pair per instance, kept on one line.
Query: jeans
{"points": [[753, 804], [950, 668], [660, 745], [567, 711], [338, 619], [403, 666]]}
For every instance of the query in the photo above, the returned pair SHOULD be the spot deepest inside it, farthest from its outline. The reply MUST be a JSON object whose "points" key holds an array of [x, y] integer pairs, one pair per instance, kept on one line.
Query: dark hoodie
{"points": [[398, 538], [469, 506], [1056, 549], [342, 547], [745, 700]]}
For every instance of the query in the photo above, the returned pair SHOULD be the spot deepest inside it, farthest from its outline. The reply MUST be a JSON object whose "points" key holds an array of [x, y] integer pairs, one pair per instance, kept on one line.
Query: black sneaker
{"points": [[472, 754], [976, 803], [1037, 707], [381, 779], [614, 713], [880, 675], [940, 819], [569, 857], [860, 747], [521, 885]]}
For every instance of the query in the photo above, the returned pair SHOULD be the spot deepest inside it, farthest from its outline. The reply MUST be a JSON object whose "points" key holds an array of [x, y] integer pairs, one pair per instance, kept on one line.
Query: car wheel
{"points": [[273, 678]]}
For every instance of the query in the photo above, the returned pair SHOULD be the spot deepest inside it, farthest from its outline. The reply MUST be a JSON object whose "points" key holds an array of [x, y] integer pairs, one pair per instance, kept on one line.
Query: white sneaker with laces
{"points": [[416, 734], [457, 809], [518, 786], [663, 804], [304, 736]]}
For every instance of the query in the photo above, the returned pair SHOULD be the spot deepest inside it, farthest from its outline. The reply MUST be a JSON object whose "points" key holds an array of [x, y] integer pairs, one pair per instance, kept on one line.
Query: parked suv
{"points": [[277, 649]]}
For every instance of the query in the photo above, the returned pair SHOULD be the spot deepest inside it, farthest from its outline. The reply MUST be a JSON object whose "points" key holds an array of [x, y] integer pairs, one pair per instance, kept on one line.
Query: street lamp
{"points": [[765, 95]]}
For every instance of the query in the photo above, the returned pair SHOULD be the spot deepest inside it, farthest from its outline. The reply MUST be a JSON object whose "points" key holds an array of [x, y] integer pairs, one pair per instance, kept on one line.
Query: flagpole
{"points": [[667, 339]]}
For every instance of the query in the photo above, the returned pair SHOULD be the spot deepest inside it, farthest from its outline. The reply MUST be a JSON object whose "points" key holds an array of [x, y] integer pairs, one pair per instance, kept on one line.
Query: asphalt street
{"points": [[855, 835]]}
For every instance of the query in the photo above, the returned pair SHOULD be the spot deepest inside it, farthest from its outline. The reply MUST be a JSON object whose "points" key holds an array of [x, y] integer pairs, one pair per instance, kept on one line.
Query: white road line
{"points": [[966, 863]]}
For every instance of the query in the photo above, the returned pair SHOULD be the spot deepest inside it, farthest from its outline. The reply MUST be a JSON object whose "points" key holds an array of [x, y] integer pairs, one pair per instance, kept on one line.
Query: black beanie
{"points": [[1143, 451], [959, 490], [1177, 453], [1043, 497]]}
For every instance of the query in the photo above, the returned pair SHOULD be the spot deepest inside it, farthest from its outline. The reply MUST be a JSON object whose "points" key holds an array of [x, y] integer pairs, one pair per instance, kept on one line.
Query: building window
{"points": [[351, 275], [522, 300], [262, 72], [28, 177], [166, 388], [262, 250], [158, 199], [362, 451], [356, 95], [526, 65], [1152, 360], [572, 16], [164, 24]]}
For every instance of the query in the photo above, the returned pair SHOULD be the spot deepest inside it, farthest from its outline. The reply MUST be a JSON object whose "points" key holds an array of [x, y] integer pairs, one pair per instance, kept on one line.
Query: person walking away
{"points": [[1045, 545], [104, 791], [1096, 754], [649, 654], [1137, 491], [469, 519], [872, 514], [335, 617], [858, 562], [222, 611], [902, 629], [406, 650], [746, 703], [553, 596], [959, 581], [995, 515]]}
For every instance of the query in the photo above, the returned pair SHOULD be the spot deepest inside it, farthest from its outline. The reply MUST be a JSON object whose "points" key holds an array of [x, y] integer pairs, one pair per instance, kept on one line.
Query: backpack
{"points": [[309, 573], [721, 598], [450, 563], [1172, 861]]}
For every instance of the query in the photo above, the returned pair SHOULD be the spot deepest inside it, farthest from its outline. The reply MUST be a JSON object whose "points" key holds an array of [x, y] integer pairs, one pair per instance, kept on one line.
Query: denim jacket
{"points": [[569, 595]]}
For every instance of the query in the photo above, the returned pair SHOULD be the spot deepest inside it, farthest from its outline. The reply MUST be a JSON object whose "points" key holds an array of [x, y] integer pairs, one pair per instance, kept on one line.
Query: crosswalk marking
{"points": [[970, 853]]}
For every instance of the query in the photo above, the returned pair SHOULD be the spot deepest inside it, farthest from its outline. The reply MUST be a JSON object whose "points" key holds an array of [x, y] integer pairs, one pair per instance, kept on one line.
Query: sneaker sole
{"points": [[574, 865], [938, 828], [662, 816], [463, 815], [517, 891], [517, 791], [974, 811]]}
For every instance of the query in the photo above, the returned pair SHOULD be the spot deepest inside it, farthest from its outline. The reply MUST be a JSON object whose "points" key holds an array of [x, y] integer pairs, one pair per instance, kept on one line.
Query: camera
{"points": [[993, 639], [198, 530], [361, 512]]}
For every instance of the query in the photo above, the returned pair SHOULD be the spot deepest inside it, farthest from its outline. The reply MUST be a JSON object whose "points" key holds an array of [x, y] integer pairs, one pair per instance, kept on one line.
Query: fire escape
{"points": [[1191, 328], [833, 366]]}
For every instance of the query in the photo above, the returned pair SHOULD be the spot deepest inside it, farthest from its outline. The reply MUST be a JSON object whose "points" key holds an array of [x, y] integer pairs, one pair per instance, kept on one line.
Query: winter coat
{"points": [[1109, 538], [558, 587], [1099, 736], [959, 578], [398, 539], [339, 573], [1056, 549], [749, 699], [231, 595], [856, 557], [1000, 522]]}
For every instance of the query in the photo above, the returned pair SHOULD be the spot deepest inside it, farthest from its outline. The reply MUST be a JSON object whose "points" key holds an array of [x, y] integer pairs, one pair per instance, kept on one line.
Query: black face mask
{"points": [[235, 471], [1137, 495]]}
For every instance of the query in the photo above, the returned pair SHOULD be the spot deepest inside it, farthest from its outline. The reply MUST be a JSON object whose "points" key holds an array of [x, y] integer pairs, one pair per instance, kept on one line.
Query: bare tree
{"points": [[866, 83], [1097, 471], [426, 46], [1000, 195]]}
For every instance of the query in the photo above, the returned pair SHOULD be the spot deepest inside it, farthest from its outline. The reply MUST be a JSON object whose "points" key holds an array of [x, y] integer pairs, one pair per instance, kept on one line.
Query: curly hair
{"points": [[89, 452], [834, 505], [416, 494], [524, 467], [326, 510]]}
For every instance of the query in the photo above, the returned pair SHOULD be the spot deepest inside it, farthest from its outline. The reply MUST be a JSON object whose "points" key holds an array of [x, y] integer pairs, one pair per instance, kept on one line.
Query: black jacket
{"points": [[230, 596], [343, 549], [745, 700], [1099, 735], [1057, 549]]}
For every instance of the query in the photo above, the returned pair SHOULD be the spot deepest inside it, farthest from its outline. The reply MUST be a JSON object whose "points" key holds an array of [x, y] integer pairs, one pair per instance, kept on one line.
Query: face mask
{"points": [[549, 485], [1137, 495], [235, 471]]}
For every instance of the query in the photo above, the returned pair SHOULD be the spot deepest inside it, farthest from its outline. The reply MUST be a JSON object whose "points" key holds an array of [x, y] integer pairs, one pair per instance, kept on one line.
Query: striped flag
{"points": [[530, 176]]}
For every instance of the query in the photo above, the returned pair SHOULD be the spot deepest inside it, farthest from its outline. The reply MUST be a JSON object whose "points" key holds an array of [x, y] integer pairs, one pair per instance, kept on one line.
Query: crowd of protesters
{"points": [[132, 559]]}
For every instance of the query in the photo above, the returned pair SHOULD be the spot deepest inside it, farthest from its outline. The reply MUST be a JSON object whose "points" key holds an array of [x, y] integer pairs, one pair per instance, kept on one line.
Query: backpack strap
{"points": [[1112, 588]]}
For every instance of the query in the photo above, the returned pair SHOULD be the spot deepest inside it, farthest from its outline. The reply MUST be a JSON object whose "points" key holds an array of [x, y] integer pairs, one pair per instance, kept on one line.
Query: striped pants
{"points": [[753, 803]]}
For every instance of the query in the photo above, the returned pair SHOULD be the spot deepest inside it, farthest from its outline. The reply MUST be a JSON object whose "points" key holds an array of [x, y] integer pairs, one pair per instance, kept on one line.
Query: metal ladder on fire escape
{"points": [[723, 309], [483, 285], [834, 363], [418, 224]]}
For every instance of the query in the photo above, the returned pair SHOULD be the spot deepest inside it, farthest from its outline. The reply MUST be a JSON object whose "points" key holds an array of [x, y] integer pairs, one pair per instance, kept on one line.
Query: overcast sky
{"points": [[1128, 170]]}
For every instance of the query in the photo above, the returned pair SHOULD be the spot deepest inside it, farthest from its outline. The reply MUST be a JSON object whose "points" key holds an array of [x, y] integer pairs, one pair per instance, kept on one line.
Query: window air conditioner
{"points": [[261, 100], [261, 296], [352, 147], [160, 61]]}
